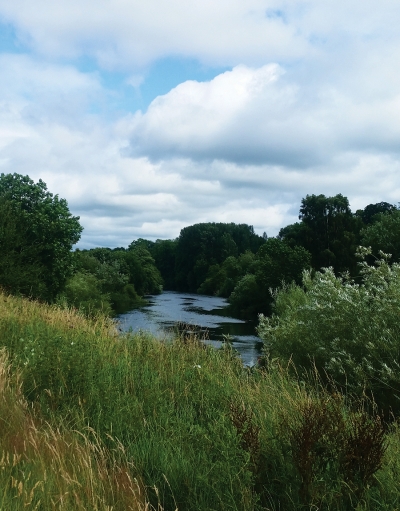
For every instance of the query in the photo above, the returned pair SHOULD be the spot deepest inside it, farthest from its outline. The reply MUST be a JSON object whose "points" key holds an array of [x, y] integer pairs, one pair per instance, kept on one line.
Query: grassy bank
{"points": [[91, 420]]}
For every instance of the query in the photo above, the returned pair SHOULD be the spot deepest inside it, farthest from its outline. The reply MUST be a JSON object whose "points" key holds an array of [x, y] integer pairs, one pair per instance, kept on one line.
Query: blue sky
{"points": [[150, 116]]}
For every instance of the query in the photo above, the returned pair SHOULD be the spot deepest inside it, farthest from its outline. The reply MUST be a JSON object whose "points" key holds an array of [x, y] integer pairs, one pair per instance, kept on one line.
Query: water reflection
{"points": [[164, 311]]}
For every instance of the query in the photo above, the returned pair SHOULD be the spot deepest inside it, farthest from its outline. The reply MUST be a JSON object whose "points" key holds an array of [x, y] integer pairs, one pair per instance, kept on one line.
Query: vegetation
{"points": [[231, 261], [37, 232], [95, 421], [347, 331], [108, 280]]}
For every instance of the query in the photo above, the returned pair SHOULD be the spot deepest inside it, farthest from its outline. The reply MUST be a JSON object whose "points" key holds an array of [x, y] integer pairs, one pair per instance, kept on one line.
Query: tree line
{"points": [[38, 232], [231, 261]]}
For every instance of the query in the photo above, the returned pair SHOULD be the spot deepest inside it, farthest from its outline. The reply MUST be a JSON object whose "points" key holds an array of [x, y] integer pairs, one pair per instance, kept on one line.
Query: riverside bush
{"points": [[346, 330], [189, 422]]}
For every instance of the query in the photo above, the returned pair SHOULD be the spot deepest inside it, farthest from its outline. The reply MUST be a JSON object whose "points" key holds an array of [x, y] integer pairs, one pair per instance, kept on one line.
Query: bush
{"points": [[83, 291], [347, 330]]}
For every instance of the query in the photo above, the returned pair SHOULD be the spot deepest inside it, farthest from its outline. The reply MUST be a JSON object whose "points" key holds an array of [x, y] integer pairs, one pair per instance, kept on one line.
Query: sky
{"points": [[149, 116]]}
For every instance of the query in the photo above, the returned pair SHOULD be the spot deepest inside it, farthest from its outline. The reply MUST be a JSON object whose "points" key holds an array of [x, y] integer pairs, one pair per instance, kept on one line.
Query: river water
{"points": [[198, 312]]}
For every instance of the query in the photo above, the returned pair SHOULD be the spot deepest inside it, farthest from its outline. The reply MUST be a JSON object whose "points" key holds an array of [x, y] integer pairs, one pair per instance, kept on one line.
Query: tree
{"points": [[276, 263], [20, 267], [164, 254], [328, 230], [383, 234], [202, 245], [370, 212], [35, 251]]}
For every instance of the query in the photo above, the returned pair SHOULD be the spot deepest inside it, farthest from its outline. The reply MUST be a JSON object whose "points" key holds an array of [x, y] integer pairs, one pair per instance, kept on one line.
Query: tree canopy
{"points": [[328, 230], [202, 245], [37, 232]]}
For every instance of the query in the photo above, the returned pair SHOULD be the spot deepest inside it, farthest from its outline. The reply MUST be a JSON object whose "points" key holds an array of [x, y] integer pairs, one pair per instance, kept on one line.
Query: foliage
{"points": [[222, 279], [203, 245], [370, 213], [334, 451], [144, 274], [276, 262], [384, 234], [21, 269], [328, 230], [205, 431], [83, 291], [164, 254], [36, 257], [349, 331], [114, 278]]}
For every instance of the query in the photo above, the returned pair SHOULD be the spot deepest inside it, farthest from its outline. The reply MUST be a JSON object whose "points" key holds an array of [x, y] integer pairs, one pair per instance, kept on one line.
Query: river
{"points": [[206, 313]]}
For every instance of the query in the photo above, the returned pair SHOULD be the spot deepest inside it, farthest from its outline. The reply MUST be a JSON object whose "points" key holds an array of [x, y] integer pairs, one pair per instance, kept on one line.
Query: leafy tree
{"points": [[122, 275], [83, 291], [42, 249], [21, 270], [276, 263], [222, 278], [246, 300], [383, 234], [370, 212], [202, 245], [144, 274], [328, 230], [164, 254]]}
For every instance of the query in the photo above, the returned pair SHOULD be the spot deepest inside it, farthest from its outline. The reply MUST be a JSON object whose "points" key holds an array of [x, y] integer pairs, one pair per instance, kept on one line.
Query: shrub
{"points": [[349, 331], [83, 291]]}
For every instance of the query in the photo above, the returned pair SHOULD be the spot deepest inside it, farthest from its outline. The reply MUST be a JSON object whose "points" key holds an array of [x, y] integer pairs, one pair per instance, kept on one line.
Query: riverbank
{"points": [[207, 314], [177, 425]]}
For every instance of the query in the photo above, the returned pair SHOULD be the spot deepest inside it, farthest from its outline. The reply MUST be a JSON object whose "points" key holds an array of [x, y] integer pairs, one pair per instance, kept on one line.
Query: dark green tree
{"points": [[143, 272], [328, 230], [222, 278], [122, 275], [36, 256], [164, 254], [383, 234], [21, 270], [203, 245], [276, 263], [369, 213]]}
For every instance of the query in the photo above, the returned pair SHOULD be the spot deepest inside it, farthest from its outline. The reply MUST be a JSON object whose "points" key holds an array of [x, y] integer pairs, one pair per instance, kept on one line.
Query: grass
{"points": [[93, 420]]}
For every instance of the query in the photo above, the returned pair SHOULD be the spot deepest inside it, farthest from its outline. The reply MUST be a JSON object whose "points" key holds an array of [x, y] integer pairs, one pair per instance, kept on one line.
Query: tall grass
{"points": [[185, 425], [48, 467]]}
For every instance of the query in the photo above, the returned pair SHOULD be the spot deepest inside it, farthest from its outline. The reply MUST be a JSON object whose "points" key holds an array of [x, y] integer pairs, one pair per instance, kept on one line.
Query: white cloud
{"points": [[311, 105], [258, 116], [130, 33]]}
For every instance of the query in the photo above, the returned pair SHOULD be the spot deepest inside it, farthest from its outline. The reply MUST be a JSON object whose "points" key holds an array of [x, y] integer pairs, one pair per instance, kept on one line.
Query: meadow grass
{"points": [[95, 420]]}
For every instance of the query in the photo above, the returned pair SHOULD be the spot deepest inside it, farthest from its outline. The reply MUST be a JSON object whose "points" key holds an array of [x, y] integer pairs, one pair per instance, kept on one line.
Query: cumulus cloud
{"points": [[243, 115], [252, 115], [310, 104]]}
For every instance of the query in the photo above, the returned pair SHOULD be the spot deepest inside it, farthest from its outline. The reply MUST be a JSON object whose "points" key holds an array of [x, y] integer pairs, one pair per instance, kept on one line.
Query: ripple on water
{"points": [[164, 311]]}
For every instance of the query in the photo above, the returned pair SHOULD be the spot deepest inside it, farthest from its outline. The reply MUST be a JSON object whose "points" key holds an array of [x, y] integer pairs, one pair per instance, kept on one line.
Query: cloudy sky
{"points": [[148, 116]]}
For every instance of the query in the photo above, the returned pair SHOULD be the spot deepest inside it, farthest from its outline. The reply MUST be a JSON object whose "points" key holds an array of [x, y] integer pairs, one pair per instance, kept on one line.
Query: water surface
{"points": [[164, 311]]}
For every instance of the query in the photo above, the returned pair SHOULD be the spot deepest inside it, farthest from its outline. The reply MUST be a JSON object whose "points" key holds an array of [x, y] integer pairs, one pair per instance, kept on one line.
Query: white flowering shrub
{"points": [[349, 330]]}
